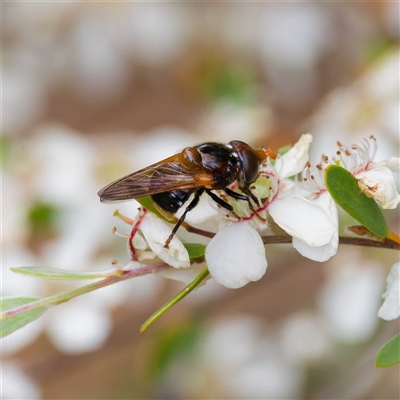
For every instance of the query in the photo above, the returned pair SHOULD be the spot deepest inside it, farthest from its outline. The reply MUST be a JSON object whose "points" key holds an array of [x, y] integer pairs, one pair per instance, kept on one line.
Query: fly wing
{"points": [[164, 176]]}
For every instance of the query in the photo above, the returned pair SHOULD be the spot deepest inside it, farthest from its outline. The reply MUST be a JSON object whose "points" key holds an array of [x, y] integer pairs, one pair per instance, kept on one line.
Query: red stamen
{"points": [[133, 233]]}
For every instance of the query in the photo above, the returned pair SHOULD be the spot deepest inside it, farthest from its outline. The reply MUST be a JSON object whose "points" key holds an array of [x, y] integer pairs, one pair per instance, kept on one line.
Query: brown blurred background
{"points": [[93, 91]]}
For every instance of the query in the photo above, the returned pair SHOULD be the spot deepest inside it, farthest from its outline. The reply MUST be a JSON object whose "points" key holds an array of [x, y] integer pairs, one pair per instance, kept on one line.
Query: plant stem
{"points": [[183, 293], [65, 296], [133, 273], [354, 241], [392, 243]]}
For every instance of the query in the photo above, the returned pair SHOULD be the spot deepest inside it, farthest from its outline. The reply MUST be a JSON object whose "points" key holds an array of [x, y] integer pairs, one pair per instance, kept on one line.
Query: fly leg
{"points": [[190, 207], [219, 201], [248, 194], [251, 195], [235, 195]]}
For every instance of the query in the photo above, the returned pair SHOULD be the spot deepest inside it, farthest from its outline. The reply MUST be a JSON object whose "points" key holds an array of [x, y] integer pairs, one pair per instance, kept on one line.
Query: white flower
{"points": [[236, 255], [374, 179], [391, 306], [156, 232], [312, 224], [146, 247], [147, 239]]}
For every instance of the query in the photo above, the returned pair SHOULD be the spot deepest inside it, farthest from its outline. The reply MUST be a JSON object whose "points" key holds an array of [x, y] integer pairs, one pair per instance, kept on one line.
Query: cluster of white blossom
{"points": [[295, 197]]}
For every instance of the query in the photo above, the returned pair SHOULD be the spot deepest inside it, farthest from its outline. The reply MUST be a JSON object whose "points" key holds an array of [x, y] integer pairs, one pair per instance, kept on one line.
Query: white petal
{"points": [[379, 184], [303, 219], [326, 251], [392, 163], [317, 253], [391, 306], [186, 275], [236, 255], [156, 233], [393, 278], [293, 162]]}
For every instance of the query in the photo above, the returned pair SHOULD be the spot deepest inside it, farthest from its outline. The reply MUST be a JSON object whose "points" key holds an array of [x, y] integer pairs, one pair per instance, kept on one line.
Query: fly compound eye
{"points": [[250, 166]]}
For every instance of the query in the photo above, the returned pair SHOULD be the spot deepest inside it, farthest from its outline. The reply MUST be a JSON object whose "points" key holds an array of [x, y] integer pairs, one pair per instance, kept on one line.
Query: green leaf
{"points": [[183, 293], [389, 353], [195, 250], [56, 273], [147, 203], [11, 323], [344, 189]]}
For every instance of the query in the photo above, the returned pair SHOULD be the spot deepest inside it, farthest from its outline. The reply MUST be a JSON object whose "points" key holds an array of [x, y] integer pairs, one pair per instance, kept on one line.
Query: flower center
{"points": [[357, 157], [265, 188]]}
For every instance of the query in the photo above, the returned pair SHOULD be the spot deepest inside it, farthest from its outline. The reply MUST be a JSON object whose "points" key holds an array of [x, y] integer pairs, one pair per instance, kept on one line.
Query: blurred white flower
{"points": [[292, 39], [225, 121], [295, 34], [370, 106], [349, 300], [390, 308], [248, 363], [24, 99], [236, 358], [65, 163], [305, 339], [15, 384], [154, 33], [75, 329], [98, 71]]}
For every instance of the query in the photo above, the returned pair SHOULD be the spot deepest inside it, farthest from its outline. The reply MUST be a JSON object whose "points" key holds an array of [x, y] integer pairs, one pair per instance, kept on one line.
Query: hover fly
{"points": [[195, 170]]}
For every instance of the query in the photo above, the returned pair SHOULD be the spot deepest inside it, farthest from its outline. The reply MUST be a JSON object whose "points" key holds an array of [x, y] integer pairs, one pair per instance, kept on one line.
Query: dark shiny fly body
{"points": [[195, 170]]}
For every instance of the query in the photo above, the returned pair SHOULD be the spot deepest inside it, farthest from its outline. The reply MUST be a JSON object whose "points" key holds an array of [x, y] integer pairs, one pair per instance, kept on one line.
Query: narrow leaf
{"points": [[183, 293], [11, 323], [389, 353], [344, 189], [195, 250], [56, 273], [147, 203]]}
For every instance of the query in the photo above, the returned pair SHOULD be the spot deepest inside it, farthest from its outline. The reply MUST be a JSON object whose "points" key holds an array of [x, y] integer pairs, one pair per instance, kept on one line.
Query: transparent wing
{"points": [[163, 176]]}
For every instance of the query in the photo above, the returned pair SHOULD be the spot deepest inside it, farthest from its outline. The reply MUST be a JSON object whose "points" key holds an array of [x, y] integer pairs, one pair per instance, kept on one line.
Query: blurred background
{"points": [[93, 91]]}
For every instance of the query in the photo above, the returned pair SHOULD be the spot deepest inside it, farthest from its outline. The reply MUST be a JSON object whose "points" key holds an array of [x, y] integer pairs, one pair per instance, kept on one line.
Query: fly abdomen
{"points": [[172, 201]]}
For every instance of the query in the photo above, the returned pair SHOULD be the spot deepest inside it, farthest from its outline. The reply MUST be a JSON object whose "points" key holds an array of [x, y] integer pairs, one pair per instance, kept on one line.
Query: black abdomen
{"points": [[172, 201]]}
